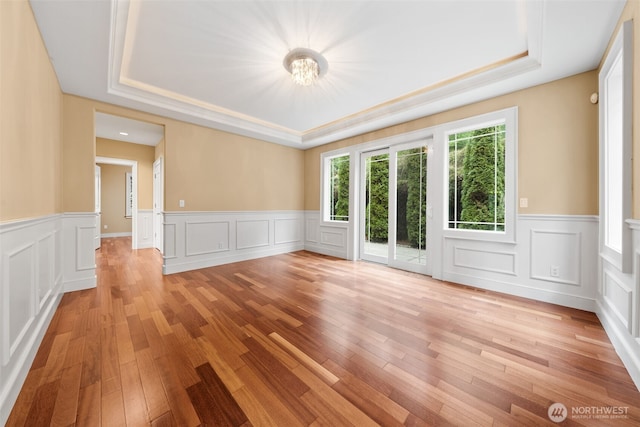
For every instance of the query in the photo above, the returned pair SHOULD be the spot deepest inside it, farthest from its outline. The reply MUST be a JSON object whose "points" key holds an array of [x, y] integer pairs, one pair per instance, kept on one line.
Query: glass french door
{"points": [[374, 202], [395, 210]]}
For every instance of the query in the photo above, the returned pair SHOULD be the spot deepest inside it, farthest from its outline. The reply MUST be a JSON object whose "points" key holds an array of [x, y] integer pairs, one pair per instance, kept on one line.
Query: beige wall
{"points": [[113, 199], [557, 145], [30, 119], [211, 170], [632, 11], [143, 154], [215, 170]]}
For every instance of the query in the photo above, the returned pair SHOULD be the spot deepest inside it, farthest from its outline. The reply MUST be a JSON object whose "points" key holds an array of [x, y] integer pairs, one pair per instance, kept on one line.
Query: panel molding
{"points": [[245, 235], [618, 298], [252, 233], [204, 236], [31, 266], [536, 234], [457, 260]]}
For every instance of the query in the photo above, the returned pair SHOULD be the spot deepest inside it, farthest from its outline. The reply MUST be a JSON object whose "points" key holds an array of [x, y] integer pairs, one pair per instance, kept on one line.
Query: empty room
{"points": [[319, 212]]}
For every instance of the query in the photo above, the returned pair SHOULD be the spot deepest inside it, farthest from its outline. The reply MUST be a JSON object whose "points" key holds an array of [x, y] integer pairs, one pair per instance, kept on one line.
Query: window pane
{"points": [[613, 159], [477, 179], [411, 205], [377, 200], [339, 189]]}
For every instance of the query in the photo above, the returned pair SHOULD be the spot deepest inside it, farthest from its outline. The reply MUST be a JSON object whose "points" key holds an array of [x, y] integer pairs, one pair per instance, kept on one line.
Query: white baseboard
{"points": [[123, 234]]}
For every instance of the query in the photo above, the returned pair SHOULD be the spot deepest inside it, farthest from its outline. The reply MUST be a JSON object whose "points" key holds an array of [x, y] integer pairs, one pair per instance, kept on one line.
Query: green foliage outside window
{"points": [[414, 173], [477, 179], [339, 191], [377, 203]]}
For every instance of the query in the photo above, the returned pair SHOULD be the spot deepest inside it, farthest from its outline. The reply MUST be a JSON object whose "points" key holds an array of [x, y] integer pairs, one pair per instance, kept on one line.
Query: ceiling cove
{"points": [[126, 17]]}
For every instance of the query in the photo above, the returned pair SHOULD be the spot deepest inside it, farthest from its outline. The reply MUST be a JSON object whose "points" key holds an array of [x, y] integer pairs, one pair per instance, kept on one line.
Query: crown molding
{"points": [[411, 106]]}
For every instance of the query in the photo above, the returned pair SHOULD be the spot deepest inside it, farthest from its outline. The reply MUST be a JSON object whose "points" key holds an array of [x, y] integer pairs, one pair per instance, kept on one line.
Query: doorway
{"points": [[395, 210], [131, 198]]}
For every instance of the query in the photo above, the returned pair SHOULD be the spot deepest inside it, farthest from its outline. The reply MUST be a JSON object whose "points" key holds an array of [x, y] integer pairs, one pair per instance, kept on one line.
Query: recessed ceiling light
{"points": [[124, 133]]}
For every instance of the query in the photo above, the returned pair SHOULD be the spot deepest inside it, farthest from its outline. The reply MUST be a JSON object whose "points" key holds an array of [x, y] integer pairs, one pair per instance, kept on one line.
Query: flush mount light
{"points": [[124, 133], [305, 65]]}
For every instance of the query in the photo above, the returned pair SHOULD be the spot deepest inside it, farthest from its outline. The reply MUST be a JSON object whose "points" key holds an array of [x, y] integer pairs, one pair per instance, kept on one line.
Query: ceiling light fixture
{"points": [[305, 65], [124, 133]]}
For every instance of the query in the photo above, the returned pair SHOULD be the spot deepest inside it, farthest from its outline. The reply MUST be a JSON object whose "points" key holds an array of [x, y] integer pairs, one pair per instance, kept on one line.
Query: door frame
{"points": [[430, 193], [158, 204], [97, 197], [432, 136], [134, 181]]}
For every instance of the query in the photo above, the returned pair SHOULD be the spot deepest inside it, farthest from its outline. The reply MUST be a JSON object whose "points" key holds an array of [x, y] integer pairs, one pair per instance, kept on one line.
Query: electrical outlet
{"points": [[220, 245], [555, 271], [524, 202], [106, 226]]}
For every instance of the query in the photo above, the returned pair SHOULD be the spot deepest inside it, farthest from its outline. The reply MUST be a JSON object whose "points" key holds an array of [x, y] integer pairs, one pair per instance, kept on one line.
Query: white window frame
{"points": [[615, 120], [509, 117], [325, 193]]}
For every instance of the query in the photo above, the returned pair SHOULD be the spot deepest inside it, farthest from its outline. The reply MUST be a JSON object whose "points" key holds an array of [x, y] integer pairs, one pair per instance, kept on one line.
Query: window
{"points": [[337, 188], [476, 179], [481, 176], [615, 81]]}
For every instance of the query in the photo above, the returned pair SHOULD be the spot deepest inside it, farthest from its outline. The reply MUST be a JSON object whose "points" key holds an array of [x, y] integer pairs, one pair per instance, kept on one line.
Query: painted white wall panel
{"points": [[252, 233], [287, 230], [79, 265], [556, 256], [206, 237], [170, 243], [145, 228], [618, 298], [502, 262], [203, 239], [31, 286], [45, 268]]}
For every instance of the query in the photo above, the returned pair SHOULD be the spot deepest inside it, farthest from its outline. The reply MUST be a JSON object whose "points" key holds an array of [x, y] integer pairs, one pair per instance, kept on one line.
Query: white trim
{"points": [[196, 240], [134, 172], [30, 251], [510, 118], [123, 234], [400, 110], [621, 53]]}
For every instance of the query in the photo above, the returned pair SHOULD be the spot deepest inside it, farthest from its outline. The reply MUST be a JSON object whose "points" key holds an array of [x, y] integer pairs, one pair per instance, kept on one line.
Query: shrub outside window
{"points": [[338, 188], [480, 188], [477, 179]]}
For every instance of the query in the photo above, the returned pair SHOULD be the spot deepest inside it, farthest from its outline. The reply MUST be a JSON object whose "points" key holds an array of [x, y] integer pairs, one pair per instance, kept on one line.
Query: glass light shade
{"points": [[304, 71]]}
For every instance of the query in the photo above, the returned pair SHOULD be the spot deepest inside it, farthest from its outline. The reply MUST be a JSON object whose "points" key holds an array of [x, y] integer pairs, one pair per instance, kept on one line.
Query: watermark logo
{"points": [[557, 412]]}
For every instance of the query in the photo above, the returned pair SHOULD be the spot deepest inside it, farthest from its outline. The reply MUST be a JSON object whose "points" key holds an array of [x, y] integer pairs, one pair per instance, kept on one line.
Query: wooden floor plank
{"points": [[307, 339]]}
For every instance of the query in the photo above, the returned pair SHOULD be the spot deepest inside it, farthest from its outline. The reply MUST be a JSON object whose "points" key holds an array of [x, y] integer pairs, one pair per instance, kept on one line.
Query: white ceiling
{"points": [[137, 132], [219, 63]]}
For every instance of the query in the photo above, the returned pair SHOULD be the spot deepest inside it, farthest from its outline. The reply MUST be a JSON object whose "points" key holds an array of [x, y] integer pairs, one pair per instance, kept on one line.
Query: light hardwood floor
{"points": [[304, 339]]}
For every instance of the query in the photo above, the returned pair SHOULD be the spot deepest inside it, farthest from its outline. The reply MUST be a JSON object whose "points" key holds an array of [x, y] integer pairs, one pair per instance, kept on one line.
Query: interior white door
{"points": [[98, 208], [158, 203]]}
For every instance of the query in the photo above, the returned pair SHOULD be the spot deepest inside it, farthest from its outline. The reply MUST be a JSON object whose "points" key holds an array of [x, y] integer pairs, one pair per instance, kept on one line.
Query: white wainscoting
{"points": [[145, 228], [619, 307], [326, 239], [30, 289], [195, 240], [553, 259], [79, 260], [41, 258]]}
